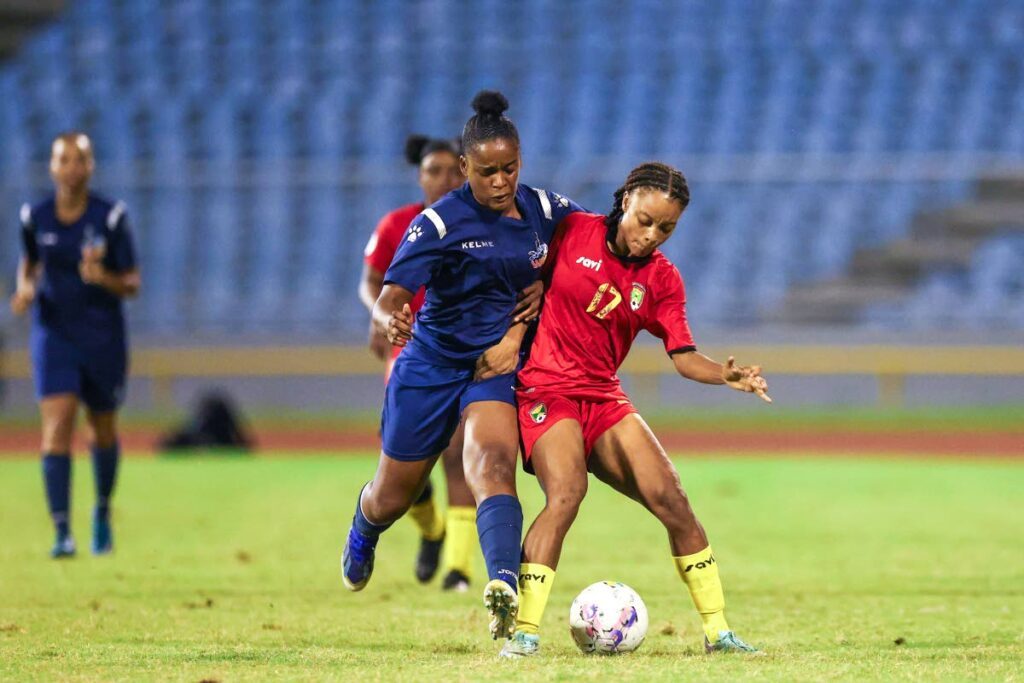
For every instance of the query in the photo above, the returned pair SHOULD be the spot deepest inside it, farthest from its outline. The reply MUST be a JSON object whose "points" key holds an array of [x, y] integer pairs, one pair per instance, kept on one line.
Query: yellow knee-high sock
{"points": [[700, 574], [460, 539], [428, 519], [534, 587]]}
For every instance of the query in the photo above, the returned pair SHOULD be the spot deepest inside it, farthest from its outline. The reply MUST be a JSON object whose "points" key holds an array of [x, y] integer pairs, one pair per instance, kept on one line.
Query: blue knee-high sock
{"points": [[57, 478], [104, 468], [499, 522], [364, 526]]}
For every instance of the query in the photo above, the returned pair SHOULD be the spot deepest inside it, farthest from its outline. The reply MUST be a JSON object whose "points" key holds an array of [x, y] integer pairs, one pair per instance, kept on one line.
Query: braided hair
{"points": [[419, 147], [651, 175], [490, 121]]}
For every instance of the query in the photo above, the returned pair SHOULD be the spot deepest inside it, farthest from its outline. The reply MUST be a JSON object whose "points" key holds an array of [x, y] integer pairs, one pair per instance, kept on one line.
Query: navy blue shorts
{"points": [[96, 375], [423, 404]]}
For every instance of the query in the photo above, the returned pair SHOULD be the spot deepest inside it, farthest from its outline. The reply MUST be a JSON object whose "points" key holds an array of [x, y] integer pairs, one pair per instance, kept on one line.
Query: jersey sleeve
{"points": [[419, 253], [380, 249], [120, 241], [562, 207], [667, 319], [29, 247]]}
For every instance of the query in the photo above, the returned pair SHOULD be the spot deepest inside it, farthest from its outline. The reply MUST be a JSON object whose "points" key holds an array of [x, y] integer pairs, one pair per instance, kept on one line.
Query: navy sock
{"points": [[104, 468], [57, 478], [366, 527], [499, 522]]}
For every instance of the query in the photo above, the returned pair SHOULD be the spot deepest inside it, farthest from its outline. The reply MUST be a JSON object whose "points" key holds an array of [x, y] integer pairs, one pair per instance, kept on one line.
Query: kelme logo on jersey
{"points": [[539, 253], [539, 412], [415, 232], [636, 296]]}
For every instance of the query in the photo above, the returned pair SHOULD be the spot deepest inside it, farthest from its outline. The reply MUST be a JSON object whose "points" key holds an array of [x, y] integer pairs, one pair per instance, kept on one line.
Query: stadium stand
{"points": [[257, 143]]}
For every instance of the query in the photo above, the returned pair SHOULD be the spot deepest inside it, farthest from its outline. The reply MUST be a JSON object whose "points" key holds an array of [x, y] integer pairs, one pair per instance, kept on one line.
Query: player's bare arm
{"points": [[528, 307], [392, 315], [503, 357], [371, 283], [698, 367], [25, 290]]}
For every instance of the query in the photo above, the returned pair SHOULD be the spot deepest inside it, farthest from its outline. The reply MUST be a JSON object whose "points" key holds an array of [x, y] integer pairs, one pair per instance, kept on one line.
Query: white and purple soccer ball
{"points": [[608, 618]]}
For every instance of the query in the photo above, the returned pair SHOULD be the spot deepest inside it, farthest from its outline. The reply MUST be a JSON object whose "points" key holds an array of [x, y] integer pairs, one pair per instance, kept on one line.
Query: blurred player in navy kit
{"points": [[77, 264]]}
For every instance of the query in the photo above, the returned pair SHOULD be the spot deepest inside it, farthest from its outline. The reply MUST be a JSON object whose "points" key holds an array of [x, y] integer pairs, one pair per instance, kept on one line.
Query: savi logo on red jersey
{"points": [[590, 263], [636, 296]]}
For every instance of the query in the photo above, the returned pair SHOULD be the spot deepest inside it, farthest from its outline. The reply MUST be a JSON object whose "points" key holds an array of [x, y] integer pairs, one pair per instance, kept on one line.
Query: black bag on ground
{"points": [[216, 424]]}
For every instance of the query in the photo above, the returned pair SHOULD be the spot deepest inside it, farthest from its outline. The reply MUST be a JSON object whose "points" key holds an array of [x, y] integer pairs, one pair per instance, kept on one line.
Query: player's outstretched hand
{"points": [[400, 326], [528, 307], [500, 359], [379, 344], [745, 378], [22, 299]]}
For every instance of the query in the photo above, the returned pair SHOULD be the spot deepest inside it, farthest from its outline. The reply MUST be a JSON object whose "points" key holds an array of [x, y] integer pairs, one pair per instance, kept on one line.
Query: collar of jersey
{"points": [[467, 196], [610, 234]]}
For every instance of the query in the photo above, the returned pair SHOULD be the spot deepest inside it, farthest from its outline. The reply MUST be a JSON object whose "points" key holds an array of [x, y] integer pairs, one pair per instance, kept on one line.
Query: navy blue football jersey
{"points": [[65, 304], [473, 263]]}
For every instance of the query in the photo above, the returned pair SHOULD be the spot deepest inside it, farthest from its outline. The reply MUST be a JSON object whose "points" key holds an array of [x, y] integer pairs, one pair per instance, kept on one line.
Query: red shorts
{"points": [[540, 410]]}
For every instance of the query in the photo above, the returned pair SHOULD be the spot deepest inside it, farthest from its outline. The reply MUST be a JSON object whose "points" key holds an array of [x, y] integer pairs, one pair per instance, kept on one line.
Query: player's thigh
{"points": [[57, 412], [629, 458], [491, 446], [102, 427], [560, 464]]}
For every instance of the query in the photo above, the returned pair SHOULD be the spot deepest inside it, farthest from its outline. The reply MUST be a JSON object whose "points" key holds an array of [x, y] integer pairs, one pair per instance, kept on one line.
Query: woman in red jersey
{"points": [[609, 282]]}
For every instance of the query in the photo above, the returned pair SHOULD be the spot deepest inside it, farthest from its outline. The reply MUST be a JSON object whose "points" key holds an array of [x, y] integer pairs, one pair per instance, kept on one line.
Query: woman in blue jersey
{"points": [[473, 250], [77, 264]]}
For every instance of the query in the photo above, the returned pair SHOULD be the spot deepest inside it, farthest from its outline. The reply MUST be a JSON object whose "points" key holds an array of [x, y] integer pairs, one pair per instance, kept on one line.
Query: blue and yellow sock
{"points": [[104, 467], [460, 539], [425, 513], [499, 523], [57, 479]]}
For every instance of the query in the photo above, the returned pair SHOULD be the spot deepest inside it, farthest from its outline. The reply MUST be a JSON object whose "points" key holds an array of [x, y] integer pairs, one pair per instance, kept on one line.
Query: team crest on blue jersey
{"points": [[539, 254], [415, 232], [636, 296], [539, 412]]}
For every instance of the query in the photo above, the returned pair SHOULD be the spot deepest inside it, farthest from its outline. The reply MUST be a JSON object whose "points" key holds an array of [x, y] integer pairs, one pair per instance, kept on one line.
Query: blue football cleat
{"points": [[520, 645], [64, 546], [729, 642], [357, 561], [102, 535]]}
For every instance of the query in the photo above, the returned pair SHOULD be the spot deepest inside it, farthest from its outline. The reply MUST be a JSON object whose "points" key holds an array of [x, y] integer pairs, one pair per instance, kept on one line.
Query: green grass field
{"points": [[226, 569]]}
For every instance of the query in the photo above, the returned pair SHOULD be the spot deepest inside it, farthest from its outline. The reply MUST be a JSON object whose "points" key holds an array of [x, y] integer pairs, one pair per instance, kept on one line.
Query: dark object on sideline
{"points": [[216, 424]]}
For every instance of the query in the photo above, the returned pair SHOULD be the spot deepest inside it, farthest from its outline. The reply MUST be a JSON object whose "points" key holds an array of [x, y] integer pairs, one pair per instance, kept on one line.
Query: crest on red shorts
{"points": [[538, 412]]}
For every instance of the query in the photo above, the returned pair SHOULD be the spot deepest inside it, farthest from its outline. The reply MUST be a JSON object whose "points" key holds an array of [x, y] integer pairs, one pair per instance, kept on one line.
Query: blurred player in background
{"points": [[609, 281], [77, 264], [439, 173], [475, 251]]}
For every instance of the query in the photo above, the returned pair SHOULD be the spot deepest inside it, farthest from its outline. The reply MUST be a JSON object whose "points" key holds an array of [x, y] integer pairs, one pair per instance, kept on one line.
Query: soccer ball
{"points": [[608, 617]]}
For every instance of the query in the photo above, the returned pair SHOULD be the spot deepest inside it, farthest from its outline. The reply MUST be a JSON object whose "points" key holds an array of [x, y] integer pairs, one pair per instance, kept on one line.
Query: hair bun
{"points": [[490, 103], [414, 146]]}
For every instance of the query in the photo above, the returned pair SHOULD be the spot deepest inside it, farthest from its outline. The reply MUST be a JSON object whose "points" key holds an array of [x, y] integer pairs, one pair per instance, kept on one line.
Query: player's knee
{"points": [[57, 432], [490, 465], [671, 506], [566, 497]]}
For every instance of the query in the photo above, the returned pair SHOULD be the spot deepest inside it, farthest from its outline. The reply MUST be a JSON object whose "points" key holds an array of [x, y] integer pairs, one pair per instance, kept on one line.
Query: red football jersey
{"points": [[595, 306], [384, 241]]}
